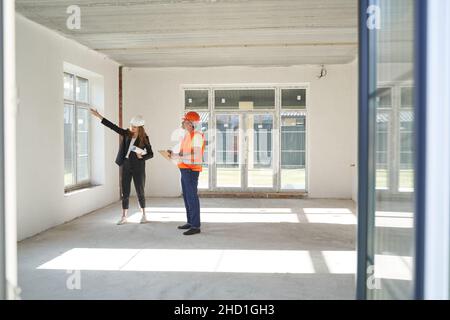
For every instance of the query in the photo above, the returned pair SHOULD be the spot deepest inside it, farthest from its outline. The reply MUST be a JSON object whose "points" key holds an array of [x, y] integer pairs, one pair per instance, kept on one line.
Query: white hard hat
{"points": [[137, 121]]}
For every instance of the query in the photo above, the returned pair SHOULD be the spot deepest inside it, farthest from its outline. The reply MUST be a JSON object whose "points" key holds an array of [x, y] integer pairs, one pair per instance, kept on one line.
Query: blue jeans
{"points": [[189, 184]]}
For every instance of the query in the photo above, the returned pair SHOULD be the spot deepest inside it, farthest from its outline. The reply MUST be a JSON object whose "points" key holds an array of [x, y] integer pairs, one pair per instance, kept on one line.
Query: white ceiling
{"points": [[188, 33]]}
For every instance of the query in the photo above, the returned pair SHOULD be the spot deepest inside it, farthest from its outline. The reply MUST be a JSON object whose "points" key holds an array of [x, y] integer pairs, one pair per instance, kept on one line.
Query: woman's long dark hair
{"points": [[142, 136]]}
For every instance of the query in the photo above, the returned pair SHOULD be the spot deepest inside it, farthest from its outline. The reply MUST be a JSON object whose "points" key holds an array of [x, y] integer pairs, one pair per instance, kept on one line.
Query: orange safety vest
{"points": [[188, 148]]}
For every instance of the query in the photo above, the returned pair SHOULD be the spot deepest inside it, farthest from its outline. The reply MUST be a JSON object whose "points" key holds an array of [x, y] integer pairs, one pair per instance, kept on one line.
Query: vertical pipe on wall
{"points": [[120, 120], [2, 172]]}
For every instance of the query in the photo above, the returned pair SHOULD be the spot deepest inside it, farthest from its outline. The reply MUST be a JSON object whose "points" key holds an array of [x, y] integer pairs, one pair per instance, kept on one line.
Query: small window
{"points": [[293, 98], [196, 99], [245, 99]]}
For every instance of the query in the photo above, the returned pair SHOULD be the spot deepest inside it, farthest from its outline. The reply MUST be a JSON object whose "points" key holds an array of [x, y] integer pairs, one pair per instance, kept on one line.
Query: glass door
{"points": [[228, 162], [259, 162], [244, 151]]}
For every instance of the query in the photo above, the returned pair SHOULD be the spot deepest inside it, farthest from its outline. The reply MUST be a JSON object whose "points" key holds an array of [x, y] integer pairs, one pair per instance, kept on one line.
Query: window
{"points": [[258, 137], [196, 99], [293, 98], [406, 137], [383, 129], [293, 150], [386, 210], [394, 138], [293, 139], [247, 99], [76, 132]]}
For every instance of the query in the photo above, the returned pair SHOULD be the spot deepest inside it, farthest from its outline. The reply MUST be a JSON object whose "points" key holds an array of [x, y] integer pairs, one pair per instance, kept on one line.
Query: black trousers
{"points": [[133, 169]]}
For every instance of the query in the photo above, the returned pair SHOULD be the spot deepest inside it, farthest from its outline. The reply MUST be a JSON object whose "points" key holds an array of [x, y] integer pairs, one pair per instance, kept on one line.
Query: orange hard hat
{"points": [[192, 116]]}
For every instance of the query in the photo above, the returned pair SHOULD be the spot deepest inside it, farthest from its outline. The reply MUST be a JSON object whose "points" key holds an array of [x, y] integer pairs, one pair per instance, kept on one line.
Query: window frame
{"points": [[279, 111], [394, 145], [276, 147], [85, 183]]}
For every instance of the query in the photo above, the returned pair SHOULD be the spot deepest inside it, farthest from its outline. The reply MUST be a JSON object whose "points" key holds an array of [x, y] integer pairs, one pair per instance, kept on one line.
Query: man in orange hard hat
{"points": [[190, 164]]}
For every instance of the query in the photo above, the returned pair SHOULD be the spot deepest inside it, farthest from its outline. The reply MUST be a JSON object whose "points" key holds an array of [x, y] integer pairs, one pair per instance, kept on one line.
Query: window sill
{"points": [[75, 191]]}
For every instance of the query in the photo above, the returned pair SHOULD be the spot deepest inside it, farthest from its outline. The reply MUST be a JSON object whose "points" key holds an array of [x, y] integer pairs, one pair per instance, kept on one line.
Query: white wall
{"points": [[41, 54], [156, 94]]}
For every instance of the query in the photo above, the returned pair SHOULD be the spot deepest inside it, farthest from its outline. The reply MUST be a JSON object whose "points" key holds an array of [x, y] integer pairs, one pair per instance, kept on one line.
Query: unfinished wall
{"points": [[41, 54], [156, 94]]}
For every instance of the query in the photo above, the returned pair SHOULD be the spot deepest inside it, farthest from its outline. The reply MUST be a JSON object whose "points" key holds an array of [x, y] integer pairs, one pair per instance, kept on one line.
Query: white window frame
{"points": [[276, 145], [394, 145], [79, 105]]}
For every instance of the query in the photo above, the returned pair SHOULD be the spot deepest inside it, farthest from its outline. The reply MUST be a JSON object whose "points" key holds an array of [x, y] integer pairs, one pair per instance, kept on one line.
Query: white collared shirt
{"points": [[130, 148]]}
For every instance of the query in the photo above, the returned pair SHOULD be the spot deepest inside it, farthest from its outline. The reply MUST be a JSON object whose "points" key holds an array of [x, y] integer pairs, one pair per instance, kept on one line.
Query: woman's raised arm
{"points": [[108, 123]]}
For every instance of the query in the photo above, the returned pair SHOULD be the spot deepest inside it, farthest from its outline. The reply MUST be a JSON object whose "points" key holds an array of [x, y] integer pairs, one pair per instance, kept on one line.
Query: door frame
{"points": [[243, 150]]}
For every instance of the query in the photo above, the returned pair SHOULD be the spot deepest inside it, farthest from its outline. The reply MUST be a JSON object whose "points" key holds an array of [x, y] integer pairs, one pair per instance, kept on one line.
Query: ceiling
{"points": [[193, 33]]}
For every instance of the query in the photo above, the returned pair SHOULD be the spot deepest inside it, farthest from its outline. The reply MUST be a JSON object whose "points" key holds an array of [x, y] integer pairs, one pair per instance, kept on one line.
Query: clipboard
{"points": [[165, 154]]}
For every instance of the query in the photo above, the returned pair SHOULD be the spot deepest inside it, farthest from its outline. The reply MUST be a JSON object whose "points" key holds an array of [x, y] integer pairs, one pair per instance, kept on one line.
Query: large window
{"points": [[386, 206], [257, 137], [76, 132]]}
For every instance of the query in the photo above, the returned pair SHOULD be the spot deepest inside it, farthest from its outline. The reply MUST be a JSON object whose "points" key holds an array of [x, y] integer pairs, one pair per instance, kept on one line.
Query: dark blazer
{"points": [[125, 144]]}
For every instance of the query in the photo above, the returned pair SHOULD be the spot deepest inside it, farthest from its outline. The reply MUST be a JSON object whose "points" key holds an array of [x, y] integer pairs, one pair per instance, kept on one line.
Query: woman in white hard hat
{"points": [[134, 149]]}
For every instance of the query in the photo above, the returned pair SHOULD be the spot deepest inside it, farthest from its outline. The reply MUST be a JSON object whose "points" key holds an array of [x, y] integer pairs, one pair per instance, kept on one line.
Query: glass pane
{"points": [[259, 148], [196, 99], [406, 166], [68, 86], [382, 150], [407, 97], [227, 151], [83, 145], [293, 98], [82, 90], [293, 150], [203, 182], [69, 147], [384, 98], [391, 225], [245, 99]]}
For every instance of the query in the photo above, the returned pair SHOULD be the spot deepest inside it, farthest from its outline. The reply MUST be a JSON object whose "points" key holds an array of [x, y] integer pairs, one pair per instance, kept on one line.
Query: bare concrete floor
{"points": [[248, 249]]}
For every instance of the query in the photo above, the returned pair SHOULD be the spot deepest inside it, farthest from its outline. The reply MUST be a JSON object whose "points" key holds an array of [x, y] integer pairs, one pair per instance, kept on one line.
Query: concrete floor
{"points": [[248, 249]]}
